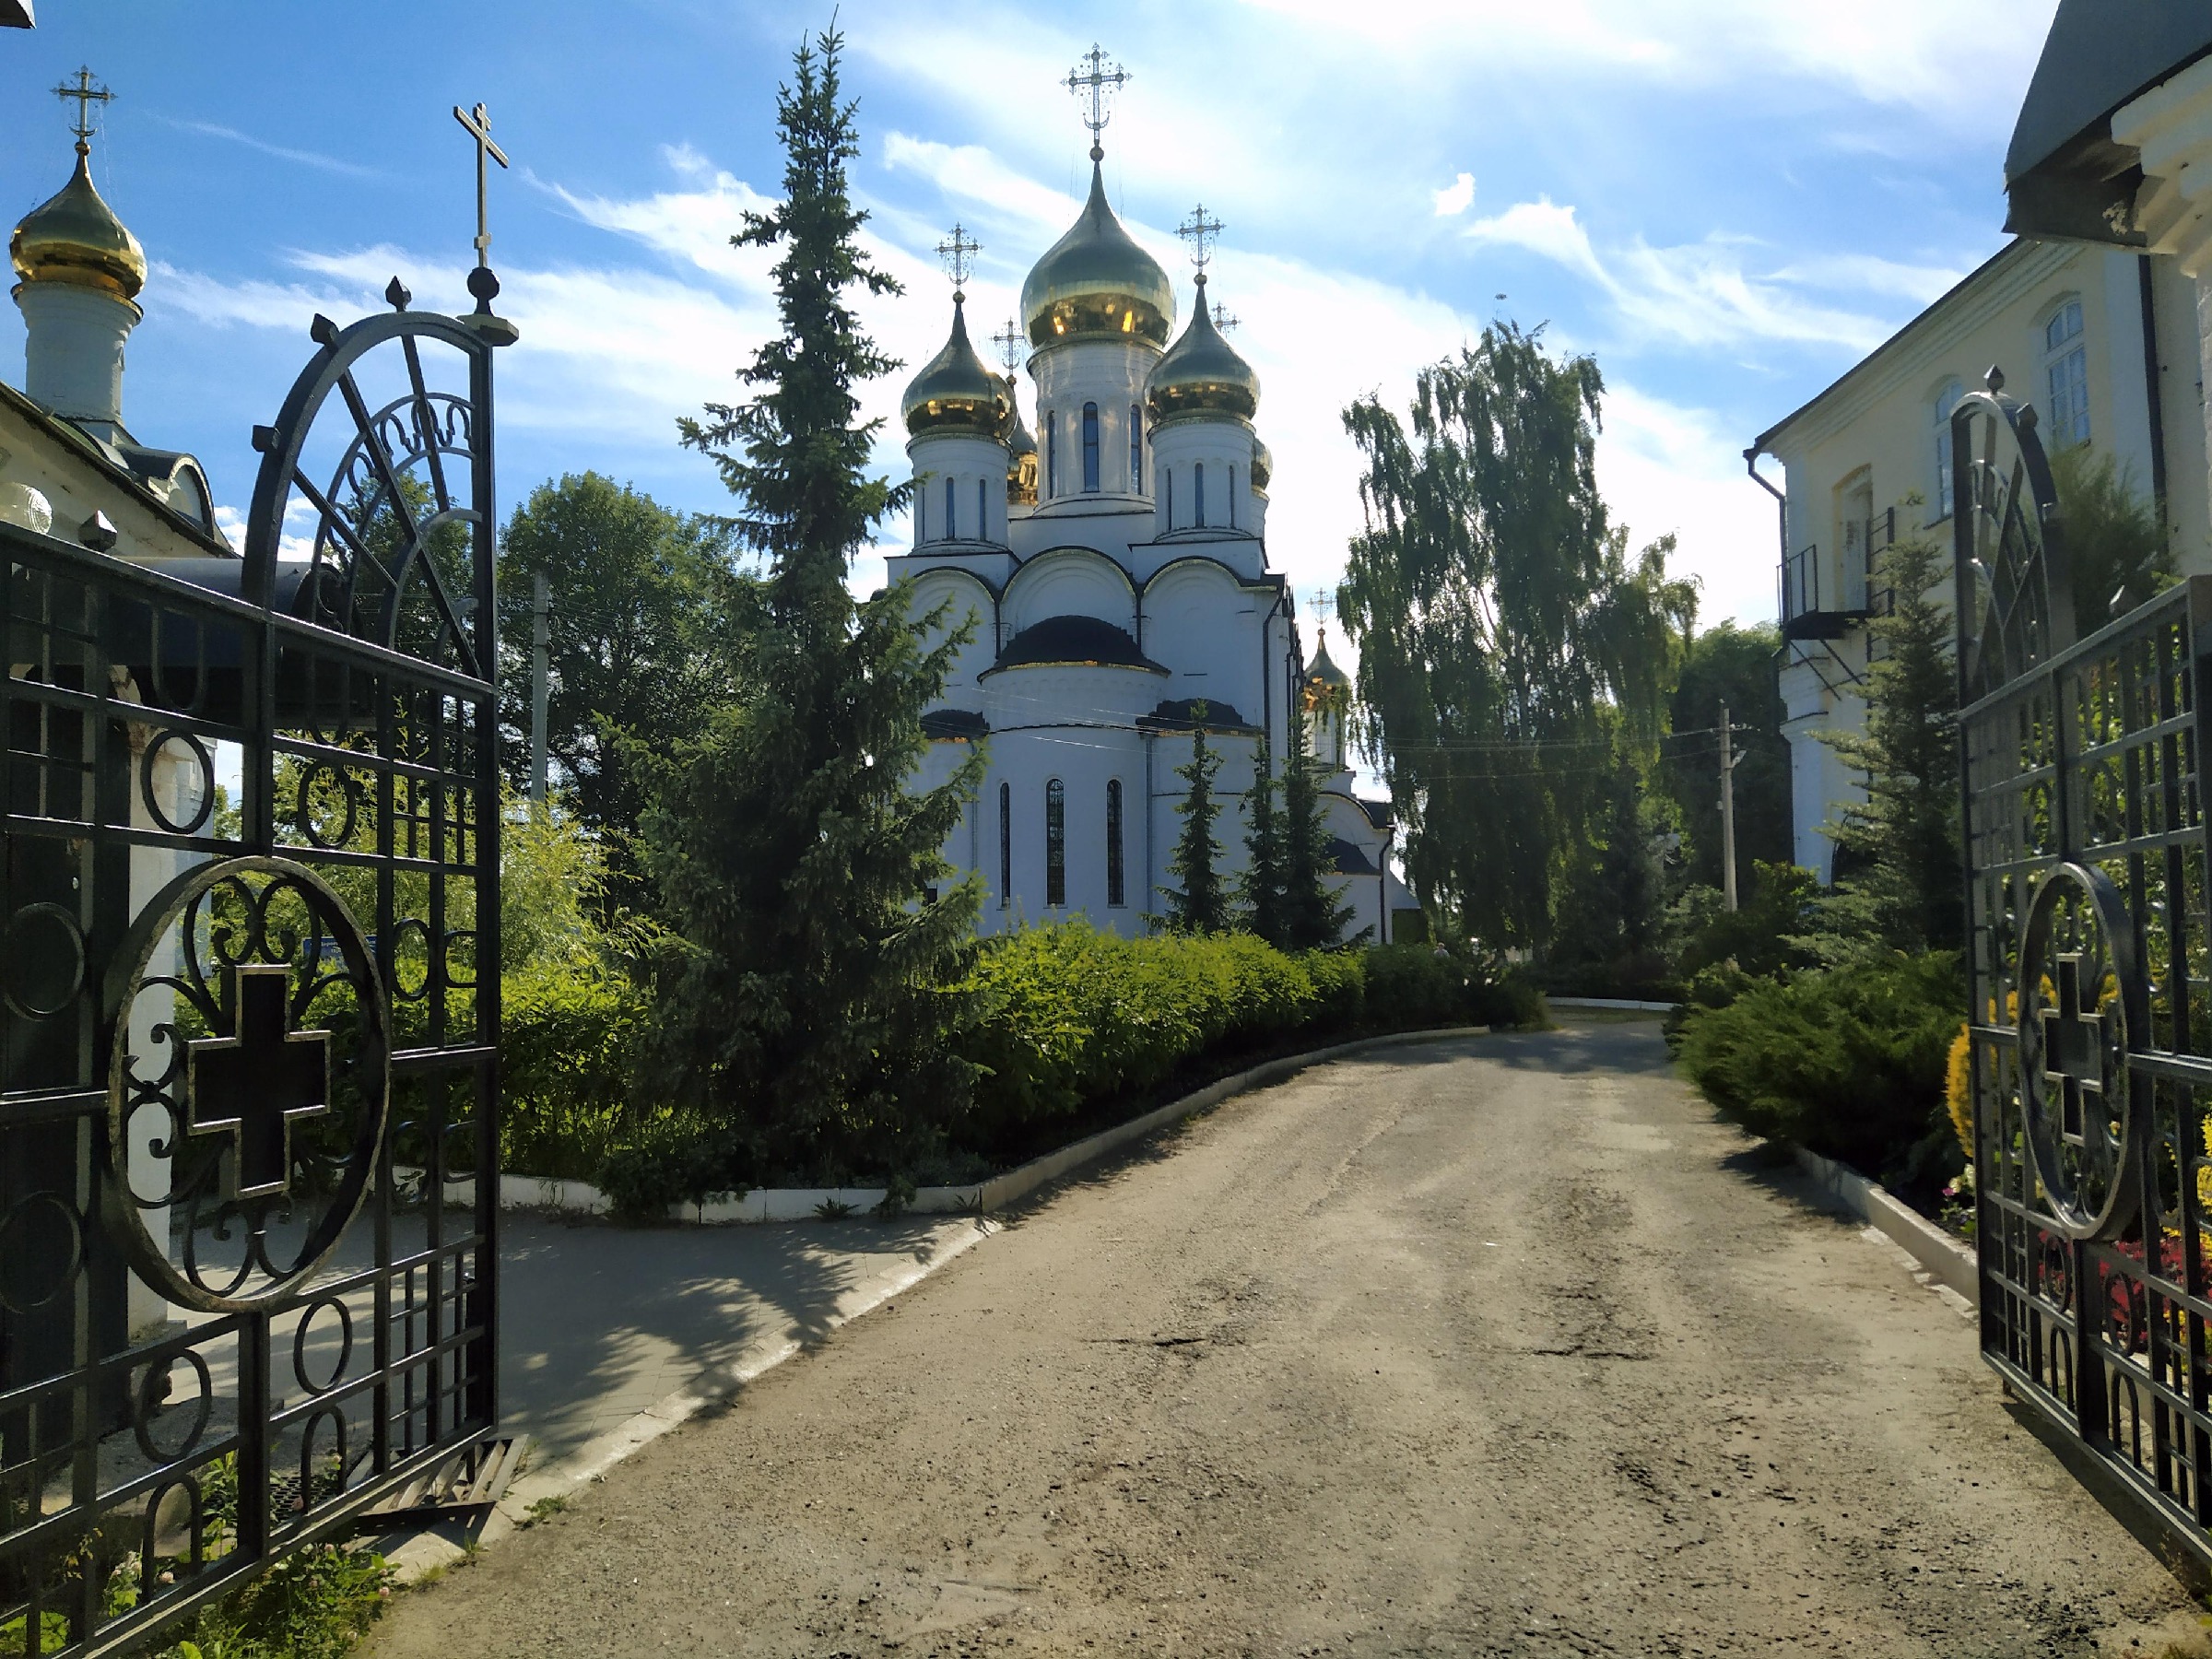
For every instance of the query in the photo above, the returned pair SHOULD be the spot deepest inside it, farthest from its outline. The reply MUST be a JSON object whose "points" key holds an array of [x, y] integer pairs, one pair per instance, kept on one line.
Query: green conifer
{"points": [[1260, 888], [1314, 917], [1201, 904]]}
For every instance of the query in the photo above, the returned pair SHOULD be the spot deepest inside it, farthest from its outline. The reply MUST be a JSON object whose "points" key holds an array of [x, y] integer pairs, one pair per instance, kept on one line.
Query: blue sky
{"points": [[1728, 202]]}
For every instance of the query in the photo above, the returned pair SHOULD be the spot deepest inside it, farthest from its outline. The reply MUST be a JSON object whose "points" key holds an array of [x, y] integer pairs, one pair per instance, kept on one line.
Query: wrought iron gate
{"points": [[248, 1038], [2090, 980]]}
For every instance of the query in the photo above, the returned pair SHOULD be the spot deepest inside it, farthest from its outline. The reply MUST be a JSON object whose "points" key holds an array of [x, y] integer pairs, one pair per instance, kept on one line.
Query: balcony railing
{"points": [[1821, 600]]}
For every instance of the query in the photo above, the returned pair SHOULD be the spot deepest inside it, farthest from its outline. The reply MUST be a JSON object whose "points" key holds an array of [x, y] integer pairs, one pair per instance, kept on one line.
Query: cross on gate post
{"points": [[2073, 1041], [253, 1084], [477, 122]]}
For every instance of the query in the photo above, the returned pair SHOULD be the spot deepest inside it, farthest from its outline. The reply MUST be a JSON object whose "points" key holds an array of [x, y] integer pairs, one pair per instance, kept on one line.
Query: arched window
{"points": [[952, 511], [920, 516], [982, 507], [1947, 399], [1055, 842], [1137, 450], [1168, 501], [1091, 447], [1198, 495], [1232, 495], [1051, 454], [1005, 845], [1113, 841], [2066, 367]]}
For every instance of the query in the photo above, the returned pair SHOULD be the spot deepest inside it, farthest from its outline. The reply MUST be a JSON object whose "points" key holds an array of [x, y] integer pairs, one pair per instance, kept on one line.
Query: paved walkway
{"points": [[1499, 1347]]}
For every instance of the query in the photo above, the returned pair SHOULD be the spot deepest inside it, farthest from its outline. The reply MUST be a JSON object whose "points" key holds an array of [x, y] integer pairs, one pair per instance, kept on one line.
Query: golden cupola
{"points": [[1021, 453], [1095, 283], [74, 239], [1201, 373], [955, 392]]}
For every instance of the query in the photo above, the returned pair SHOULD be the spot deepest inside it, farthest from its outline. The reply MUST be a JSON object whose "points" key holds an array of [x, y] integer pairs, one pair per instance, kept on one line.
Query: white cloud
{"points": [[315, 158], [1456, 197], [1664, 468]]}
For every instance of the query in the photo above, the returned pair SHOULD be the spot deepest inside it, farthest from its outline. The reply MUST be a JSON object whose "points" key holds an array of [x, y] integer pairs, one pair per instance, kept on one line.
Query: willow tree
{"points": [[1514, 656]]}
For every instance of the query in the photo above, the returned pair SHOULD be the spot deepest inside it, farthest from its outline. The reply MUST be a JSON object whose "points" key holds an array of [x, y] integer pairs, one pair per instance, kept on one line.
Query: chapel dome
{"points": [[1263, 468], [73, 236], [1096, 283], [1323, 672], [1021, 454], [1202, 373], [955, 392]]}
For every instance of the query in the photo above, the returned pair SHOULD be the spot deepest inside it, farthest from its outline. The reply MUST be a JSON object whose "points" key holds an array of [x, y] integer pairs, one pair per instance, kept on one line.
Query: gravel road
{"points": [[1492, 1347]]}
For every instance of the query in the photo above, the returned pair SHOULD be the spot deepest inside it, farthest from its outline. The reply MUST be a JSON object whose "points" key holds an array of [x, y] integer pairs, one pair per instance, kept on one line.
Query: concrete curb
{"points": [[1950, 1262], [1613, 1003], [804, 1204]]}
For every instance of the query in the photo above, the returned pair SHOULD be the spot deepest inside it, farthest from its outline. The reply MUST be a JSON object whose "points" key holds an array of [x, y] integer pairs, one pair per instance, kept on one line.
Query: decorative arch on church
{"points": [[1192, 608], [1068, 582], [967, 593]]}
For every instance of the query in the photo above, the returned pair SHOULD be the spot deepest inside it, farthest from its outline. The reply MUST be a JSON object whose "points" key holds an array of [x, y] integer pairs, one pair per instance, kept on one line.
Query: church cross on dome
{"points": [[1222, 318], [958, 252], [1098, 84], [87, 92], [1202, 233], [1009, 341]]}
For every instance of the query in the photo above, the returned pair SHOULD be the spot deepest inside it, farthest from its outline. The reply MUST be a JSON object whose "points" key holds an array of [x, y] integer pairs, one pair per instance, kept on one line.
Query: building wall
{"points": [[1872, 438]]}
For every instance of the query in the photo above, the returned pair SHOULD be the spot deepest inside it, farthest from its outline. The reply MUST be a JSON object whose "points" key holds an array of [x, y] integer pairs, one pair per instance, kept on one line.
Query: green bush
{"points": [[672, 1156], [1847, 1062], [570, 1041]]}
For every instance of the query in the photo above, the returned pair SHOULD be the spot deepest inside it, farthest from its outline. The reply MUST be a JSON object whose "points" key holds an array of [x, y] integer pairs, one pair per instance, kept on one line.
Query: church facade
{"points": [[1112, 568]]}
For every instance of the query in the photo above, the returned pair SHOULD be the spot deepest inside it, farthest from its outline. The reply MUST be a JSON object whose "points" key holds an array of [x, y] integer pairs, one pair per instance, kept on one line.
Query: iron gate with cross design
{"points": [[249, 1004], [2089, 980]]}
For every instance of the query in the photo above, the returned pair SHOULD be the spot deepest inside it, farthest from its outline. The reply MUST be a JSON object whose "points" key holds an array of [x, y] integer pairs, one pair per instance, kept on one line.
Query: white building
{"points": [[1116, 572]]}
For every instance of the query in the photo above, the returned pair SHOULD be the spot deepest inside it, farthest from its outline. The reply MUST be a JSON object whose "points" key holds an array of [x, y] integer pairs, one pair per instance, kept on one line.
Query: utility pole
{"points": [[1728, 811], [541, 611]]}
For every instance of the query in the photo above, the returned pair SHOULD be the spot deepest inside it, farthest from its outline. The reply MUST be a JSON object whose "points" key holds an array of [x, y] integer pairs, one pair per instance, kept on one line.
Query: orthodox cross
{"points": [[1202, 233], [87, 92], [959, 254], [2074, 1038], [253, 1084], [1098, 84], [478, 124], [1009, 341], [1222, 320]]}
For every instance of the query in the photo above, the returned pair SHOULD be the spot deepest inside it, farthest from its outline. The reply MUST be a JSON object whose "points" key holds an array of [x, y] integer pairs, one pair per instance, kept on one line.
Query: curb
{"points": [[1950, 1262], [804, 1204], [1612, 1002]]}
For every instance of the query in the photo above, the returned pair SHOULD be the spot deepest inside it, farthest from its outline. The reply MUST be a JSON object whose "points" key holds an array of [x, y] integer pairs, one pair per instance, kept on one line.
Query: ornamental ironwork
{"points": [[2089, 975], [249, 1132]]}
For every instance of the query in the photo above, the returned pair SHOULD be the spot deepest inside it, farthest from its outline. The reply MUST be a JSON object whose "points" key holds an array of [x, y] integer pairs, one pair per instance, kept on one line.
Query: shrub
{"points": [[1848, 1062], [572, 1038], [673, 1156]]}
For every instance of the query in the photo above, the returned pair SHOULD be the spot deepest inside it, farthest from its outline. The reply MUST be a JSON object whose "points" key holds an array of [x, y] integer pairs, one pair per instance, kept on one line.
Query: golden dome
{"points": [[1096, 283], [955, 392], [75, 238], [1200, 373], [1262, 466], [1021, 453]]}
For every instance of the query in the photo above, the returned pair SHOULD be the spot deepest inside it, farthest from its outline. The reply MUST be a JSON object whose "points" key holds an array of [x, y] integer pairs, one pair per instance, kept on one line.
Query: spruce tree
{"points": [[1259, 889], [1201, 904], [810, 1003], [1314, 917]]}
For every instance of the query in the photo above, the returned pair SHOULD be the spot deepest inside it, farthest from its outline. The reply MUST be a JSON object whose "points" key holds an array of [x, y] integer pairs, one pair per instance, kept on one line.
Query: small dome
{"points": [[1201, 373], [1321, 671], [75, 238], [1021, 454], [1263, 468], [1096, 283], [955, 392]]}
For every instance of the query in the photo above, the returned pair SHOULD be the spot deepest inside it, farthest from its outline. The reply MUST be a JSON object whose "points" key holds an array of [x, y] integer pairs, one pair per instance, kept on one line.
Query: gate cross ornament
{"points": [[253, 1084], [2074, 1035]]}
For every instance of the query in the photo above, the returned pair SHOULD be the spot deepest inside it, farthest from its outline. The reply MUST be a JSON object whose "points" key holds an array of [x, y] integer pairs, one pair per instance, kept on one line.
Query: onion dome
{"points": [[75, 238], [1321, 671], [1201, 373], [955, 392], [1021, 454], [1096, 283], [1262, 466]]}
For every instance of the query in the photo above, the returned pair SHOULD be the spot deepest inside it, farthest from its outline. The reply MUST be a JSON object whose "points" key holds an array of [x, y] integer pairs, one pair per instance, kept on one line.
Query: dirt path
{"points": [[1497, 1347]]}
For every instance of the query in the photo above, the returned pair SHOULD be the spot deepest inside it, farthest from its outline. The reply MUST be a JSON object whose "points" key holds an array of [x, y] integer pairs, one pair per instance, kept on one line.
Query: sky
{"points": [[1725, 202]]}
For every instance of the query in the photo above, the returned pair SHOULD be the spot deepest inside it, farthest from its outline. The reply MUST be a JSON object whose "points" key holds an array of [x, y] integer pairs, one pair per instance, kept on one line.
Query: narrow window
{"points": [[1232, 495], [1198, 495], [2066, 363], [982, 507], [952, 513], [1091, 447], [1137, 450], [1170, 502], [920, 516], [1051, 454], [1113, 841], [1945, 401], [1005, 845], [1055, 842]]}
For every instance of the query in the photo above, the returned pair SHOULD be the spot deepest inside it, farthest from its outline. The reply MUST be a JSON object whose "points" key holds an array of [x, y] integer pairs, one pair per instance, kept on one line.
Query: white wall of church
{"points": [[1069, 582], [959, 488], [1203, 468], [1111, 376]]}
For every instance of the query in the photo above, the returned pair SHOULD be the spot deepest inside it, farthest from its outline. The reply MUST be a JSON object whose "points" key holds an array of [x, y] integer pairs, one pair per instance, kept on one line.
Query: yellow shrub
{"points": [[1958, 1092]]}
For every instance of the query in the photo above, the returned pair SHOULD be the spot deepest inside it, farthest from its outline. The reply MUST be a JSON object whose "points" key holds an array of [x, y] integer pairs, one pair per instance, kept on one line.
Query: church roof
{"points": [[1096, 283], [1321, 671], [955, 392], [1345, 859], [73, 236], [1181, 714], [963, 725], [1202, 373], [1084, 641]]}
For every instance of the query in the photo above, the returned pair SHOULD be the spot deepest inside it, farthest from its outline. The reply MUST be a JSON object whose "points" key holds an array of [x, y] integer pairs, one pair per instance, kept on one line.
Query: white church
{"points": [[1115, 569]]}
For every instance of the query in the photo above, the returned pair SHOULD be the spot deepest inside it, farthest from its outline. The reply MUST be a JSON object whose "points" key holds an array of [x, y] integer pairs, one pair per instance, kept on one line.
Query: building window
{"points": [[982, 507], [1051, 454], [1091, 447], [2066, 363], [1945, 401], [1005, 845], [1137, 450], [1198, 495], [1113, 841], [952, 513], [1055, 842], [1232, 495], [920, 516], [1168, 500]]}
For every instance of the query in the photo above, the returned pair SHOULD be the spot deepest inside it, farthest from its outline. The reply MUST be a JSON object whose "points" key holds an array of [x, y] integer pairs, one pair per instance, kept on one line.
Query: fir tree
{"points": [[1260, 888], [808, 1006], [1314, 917], [1201, 904]]}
